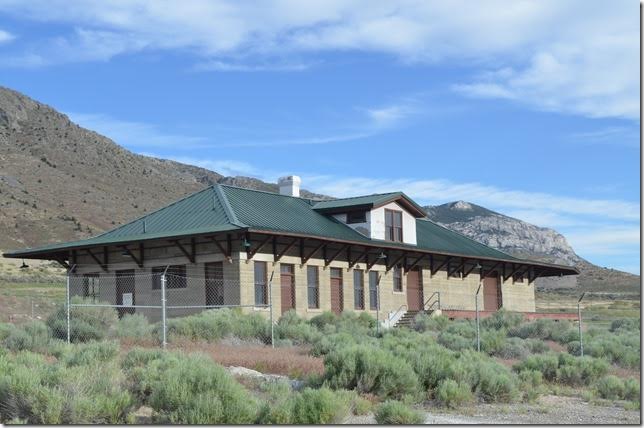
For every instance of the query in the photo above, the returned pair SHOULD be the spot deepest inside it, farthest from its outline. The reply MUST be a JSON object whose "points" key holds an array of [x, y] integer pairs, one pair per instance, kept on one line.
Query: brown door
{"points": [[414, 290], [287, 286], [491, 296], [337, 303], [125, 291], [214, 277]]}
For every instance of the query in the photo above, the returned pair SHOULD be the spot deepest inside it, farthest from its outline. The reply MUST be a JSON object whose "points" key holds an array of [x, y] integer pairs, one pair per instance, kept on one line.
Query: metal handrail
{"points": [[398, 311], [437, 302]]}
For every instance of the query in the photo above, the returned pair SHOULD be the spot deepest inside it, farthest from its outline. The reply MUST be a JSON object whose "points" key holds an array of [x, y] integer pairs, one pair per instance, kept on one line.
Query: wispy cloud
{"points": [[607, 240], [613, 135], [223, 66], [6, 36], [135, 135], [579, 56]]}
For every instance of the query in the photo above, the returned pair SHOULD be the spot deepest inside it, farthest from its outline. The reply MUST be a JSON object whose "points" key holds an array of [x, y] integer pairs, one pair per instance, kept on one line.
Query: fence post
{"points": [[270, 307], [581, 339], [163, 308], [68, 301], [478, 329]]}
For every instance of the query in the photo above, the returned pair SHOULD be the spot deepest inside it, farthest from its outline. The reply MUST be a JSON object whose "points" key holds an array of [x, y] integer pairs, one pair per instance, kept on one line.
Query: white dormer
{"points": [[390, 217]]}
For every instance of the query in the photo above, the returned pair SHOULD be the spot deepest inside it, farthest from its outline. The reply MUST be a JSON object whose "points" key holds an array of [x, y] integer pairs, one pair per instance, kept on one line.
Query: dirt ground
{"points": [[549, 409]]}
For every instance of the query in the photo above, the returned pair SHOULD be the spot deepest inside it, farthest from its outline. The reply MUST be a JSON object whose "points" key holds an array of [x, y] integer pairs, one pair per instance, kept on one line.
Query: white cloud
{"points": [[135, 135], [6, 36], [222, 166], [576, 56], [222, 66], [440, 191], [606, 240]]}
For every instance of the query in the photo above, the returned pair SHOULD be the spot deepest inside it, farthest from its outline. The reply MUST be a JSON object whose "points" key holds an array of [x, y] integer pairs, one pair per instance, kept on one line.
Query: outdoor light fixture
{"points": [[245, 243], [478, 266], [126, 253], [24, 265], [382, 255]]}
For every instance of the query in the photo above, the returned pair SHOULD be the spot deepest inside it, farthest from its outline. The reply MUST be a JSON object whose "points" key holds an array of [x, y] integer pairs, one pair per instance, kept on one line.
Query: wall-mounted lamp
{"points": [[382, 255], [245, 243], [24, 265], [478, 266]]}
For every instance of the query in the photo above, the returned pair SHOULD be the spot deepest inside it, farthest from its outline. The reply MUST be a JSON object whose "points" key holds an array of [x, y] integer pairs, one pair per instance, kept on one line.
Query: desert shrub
{"points": [[455, 342], [492, 341], [324, 319], [87, 323], [369, 369], [513, 347], [134, 326], [423, 322], [5, 330], [610, 387], [39, 392], [496, 383], [502, 320], [215, 324], [343, 339], [452, 394], [536, 346], [625, 324], [291, 327], [461, 328], [91, 353], [621, 349], [631, 390], [531, 383], [396, 413], [361, 406], [546, 329], [318, 406], [33, 336], [564, 368], [195, 390]]}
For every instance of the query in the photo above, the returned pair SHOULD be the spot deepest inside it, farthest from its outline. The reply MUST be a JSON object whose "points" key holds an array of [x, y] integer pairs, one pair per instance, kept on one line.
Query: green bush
{"points": [[369, 369], [631, 390], [215, 324], [621, 349], [91, 353], [32, 336], [502, 320], [455, 342], [625, 324], [513, 347], [452, 394], [610, 387], [86, 323], [326, 318], [318, 406], [135, 326], [424, 322], [291, 327], [195, 390], [361, 406], [492, 341], [546, 329], [564, 368], [396, 413]]}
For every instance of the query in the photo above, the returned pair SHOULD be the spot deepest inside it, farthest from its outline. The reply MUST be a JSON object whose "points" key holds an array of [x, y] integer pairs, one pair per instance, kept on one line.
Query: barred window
{"points": [[358, 289], [175, 277], [393, 226], [313, 286], [90, 286], [397, 275], [261, 295], [373, 290]]}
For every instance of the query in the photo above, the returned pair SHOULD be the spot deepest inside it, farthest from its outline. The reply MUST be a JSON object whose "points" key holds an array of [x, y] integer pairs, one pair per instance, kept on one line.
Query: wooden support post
{"points": [[440, 266], [395, 262], [189, 254], [96, 259], [288, 247], [415, 263], [258, 248], [315, 250], [328, 261]]}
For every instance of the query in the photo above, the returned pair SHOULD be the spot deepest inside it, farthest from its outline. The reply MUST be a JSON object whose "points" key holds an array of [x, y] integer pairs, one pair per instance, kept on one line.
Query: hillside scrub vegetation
{"points": [[97, 380]]}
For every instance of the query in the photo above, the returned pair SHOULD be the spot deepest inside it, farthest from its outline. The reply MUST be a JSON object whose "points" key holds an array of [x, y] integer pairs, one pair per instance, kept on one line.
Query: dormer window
{"points": [[393, 225], [356, 217]]}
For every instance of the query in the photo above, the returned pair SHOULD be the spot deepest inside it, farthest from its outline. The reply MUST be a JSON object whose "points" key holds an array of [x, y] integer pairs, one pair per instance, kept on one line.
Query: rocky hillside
{"points": [[51, 167], [526, 240]]}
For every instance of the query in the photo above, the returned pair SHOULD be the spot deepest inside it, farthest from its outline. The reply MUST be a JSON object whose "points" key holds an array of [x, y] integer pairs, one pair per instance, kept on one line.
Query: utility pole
{"points": [[478, 328], [581, 339]]}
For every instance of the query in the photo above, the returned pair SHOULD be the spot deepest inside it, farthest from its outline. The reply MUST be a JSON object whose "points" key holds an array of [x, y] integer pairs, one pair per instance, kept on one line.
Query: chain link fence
{"points": [[164, 307]]}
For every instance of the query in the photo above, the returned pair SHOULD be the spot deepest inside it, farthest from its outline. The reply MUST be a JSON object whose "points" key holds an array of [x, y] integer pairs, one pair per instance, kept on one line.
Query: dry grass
{"points": [[293, 362]]}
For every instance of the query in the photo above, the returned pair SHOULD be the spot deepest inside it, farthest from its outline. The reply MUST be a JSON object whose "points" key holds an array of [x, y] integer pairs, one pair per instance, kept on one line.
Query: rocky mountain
{"points": [[521, 239], [51, 167]]}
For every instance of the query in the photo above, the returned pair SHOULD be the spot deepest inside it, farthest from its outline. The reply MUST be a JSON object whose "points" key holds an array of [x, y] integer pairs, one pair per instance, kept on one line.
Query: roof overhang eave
{"points": [[556, 269]]}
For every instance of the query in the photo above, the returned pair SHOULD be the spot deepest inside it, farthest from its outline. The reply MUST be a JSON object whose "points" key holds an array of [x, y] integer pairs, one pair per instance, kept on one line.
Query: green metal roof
{"points": [[222, 208]]}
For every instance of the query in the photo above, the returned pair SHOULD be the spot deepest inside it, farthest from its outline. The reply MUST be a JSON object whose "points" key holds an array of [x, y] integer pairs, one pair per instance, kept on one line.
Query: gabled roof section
{"points": [[206, 211], [369, 202], [261, 210]]}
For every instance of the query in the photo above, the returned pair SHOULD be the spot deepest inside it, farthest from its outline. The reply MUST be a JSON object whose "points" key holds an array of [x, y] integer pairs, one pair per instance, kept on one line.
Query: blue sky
{"points": [[530, 108]]}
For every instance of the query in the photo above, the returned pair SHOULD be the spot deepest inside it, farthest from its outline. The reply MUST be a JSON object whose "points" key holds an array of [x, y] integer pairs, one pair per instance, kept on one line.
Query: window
{"points": [[356, 217], [313, 286], [398, 279], [90, 286], [261, 295], [393, 226], [358, 289], [373, 290], [175, 277]]}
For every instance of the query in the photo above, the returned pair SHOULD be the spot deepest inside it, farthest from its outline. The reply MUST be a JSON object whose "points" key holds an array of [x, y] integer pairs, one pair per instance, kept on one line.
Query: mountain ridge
{"points": [[51, 167]]}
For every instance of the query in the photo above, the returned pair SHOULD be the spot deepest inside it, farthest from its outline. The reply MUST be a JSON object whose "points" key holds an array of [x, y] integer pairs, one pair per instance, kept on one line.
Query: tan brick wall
{"points": [[518, 297], [455, 293]]}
